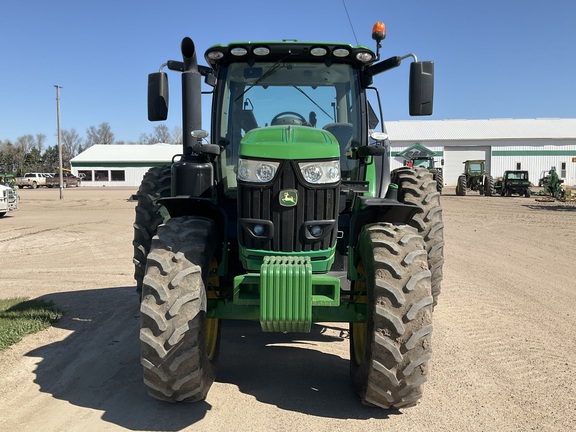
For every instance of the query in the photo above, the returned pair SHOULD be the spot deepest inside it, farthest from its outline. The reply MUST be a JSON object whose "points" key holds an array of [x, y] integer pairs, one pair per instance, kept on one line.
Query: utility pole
{"points": [[59, 141]]}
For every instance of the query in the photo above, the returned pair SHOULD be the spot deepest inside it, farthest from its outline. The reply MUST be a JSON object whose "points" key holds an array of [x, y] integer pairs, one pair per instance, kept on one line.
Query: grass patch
{"points": [[20, 317]]}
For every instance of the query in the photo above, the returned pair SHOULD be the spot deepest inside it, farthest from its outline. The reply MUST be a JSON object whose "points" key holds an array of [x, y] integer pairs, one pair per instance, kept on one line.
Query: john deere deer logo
{"points": [[289, 198]]}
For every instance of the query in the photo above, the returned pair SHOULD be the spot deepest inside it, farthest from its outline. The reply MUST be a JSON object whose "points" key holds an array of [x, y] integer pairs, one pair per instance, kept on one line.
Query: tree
{"points": [[7, 156], [22, 146], [50, 158], [33, 161], [71, 142], [40, 141], [161, 134], [101, 135]]}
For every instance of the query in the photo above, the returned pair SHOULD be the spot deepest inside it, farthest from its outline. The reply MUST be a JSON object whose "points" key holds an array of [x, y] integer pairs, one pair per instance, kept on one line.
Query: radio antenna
{"points": [[350, 21]]}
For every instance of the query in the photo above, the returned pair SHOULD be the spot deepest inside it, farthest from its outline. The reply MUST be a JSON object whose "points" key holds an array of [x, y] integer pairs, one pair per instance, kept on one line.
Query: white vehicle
{"points": [[8, 200], [31, 180]]}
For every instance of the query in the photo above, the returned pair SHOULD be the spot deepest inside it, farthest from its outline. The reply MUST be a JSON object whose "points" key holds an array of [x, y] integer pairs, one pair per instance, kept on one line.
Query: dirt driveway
{"points": [[504, 332]]}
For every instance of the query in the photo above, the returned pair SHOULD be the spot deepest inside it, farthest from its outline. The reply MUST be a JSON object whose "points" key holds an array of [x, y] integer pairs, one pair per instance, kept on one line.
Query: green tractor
{"points": [[289, 216], [552, 184], [475, 178]]}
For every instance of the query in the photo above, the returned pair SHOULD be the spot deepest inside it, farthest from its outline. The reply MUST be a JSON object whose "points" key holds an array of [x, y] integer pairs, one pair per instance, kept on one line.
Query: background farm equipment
{"points": [[551, 184], [422, 157], [475, 178], [513, 183]]}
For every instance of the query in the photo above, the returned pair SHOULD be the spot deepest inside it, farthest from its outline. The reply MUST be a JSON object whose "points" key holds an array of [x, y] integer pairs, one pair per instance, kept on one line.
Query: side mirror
{"points": [[157, 96], [421, 94]]}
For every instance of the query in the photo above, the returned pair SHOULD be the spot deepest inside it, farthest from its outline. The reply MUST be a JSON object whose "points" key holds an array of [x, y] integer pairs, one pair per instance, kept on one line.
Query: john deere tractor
{"points": [[475, 178], [288, 215]]}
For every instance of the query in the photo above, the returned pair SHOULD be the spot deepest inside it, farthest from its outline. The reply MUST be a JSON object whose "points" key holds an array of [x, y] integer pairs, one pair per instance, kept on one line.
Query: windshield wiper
{"points": [[313, 101], [275, 67]]}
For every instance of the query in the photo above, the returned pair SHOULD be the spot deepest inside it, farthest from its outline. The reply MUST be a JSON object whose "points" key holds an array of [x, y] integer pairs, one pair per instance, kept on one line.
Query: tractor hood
{"points": [[289, 142]]}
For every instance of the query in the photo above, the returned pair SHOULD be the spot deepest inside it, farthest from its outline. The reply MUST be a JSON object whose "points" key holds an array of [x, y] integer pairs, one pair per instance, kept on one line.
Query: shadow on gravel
{"points": [[289, 371], [552, 207], [97, 366]]}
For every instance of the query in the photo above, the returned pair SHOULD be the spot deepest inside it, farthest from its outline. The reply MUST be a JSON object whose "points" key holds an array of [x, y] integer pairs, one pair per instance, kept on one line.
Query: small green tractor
{"points": [[513, 183], [475, 178], [288, 216]]}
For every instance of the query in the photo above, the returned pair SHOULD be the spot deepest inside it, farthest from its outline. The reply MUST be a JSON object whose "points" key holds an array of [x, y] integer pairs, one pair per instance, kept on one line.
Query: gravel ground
{"points": [[504, 357]]}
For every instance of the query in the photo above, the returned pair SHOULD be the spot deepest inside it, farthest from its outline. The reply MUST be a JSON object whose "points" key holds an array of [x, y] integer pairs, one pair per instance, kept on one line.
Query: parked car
{"points": [[68, 179], [31, 180]]}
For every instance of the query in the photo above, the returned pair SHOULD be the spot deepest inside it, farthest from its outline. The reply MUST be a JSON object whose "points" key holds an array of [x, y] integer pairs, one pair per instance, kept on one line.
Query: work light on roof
{"points": [[239, 51], [318, 51], [261, 51], [215, 55], [365, 57], [341, 52]]}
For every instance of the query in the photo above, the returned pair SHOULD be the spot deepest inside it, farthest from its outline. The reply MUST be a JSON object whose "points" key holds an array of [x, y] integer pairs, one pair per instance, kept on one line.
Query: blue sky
{"points": [[493, 59]]}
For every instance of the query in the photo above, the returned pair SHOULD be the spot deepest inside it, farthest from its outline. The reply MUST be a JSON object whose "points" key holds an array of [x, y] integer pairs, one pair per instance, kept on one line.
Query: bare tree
{"points": [[161, 134], [40, 141], [22, 146], [177, 135], [100, 135], [71, 143]]}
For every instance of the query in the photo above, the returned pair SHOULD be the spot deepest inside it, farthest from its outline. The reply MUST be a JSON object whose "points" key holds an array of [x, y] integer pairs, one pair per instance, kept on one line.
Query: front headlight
{"points": [[320, 172], [256, 171]]}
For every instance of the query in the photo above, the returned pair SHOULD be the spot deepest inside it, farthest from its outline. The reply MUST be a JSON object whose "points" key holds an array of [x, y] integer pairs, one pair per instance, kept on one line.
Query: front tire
{"points": [[489, 186], [461, 186], [389, 353], [179, 345]]}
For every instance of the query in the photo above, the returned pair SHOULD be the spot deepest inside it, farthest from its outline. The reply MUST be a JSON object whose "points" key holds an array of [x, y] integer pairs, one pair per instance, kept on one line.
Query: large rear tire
{"points": [[179, 345], [417, 186], [149, 214], [389, 353]]}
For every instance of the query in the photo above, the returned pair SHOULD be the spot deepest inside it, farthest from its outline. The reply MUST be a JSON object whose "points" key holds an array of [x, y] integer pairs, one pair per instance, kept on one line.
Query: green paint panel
{"points": [[322, 260], [294, 142], [286, 294]]}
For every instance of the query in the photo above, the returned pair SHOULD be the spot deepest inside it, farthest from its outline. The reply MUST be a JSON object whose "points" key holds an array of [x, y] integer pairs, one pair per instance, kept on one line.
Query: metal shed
{"points": [[534, 145], [120, 164]]}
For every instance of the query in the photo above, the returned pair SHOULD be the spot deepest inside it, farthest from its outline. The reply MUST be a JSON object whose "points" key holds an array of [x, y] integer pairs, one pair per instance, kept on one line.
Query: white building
{"points": [[534, 145], [120, 164]]}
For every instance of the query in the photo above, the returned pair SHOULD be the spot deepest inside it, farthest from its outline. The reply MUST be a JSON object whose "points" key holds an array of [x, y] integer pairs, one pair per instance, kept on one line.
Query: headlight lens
{"points": [[256, 171], [321, 172]]}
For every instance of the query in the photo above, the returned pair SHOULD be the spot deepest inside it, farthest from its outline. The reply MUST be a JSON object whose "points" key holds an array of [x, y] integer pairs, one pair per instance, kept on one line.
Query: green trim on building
{"points": [[534, 153]]}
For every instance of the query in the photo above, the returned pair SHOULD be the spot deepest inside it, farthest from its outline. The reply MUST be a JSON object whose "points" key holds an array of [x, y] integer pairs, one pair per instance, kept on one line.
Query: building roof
{"points": [[481, 130], [128, 153]]}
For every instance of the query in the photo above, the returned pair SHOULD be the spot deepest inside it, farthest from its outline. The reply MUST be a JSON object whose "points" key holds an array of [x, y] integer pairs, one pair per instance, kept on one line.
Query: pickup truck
{"points": [[31, 180], [68, 179]]}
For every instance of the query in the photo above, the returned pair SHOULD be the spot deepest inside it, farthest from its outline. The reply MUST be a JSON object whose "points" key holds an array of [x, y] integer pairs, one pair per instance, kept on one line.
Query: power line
{"points": [[350, 21]]}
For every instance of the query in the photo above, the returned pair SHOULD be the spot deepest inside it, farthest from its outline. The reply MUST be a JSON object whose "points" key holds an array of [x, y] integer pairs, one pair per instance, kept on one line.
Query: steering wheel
{"points": [[289, 118]]}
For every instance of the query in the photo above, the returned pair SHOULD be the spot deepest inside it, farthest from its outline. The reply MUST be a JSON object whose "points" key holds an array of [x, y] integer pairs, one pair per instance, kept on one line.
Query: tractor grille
{"points": [[289, 232]]}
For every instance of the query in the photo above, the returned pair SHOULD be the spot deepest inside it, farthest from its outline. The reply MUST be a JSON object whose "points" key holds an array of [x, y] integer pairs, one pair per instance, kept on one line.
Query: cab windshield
{"points": [[284, 93]]}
